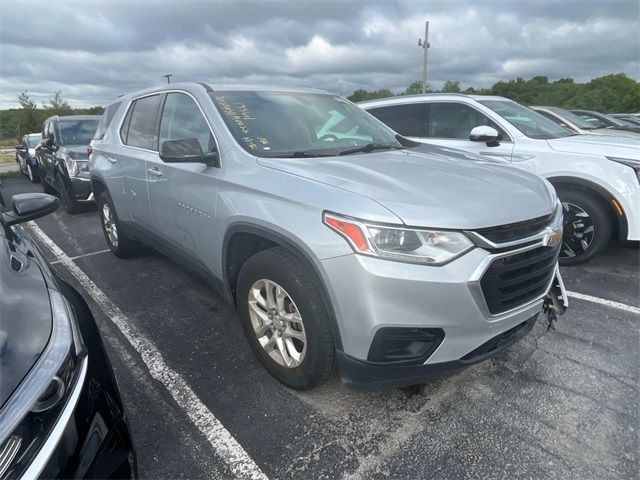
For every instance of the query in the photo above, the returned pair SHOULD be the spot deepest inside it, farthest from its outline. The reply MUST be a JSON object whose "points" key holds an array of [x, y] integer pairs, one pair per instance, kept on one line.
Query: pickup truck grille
{"points": [[515, 231], [517, 279]]}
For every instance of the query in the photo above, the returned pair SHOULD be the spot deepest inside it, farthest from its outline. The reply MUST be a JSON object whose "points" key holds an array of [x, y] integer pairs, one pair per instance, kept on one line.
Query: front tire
{"points": [[587, 227], [69, 204], [285, 319], [119, 243]]}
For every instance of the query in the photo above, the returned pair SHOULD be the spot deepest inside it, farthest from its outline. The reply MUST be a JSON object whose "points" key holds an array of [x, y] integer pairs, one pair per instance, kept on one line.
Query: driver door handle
{"points": [[112, 159], [154, 171]]}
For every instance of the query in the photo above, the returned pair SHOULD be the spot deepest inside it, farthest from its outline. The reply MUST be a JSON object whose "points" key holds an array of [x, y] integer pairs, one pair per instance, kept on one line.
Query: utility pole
{"points": [[168, 77], [425, 46]]}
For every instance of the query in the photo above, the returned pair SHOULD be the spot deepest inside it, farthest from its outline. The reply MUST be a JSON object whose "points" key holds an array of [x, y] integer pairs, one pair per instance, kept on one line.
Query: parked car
{"points": [[61, 415], [578, 124], [601, 120], [596, 177], [25, 155], [396, 264], [627, 117], [62, 158]]}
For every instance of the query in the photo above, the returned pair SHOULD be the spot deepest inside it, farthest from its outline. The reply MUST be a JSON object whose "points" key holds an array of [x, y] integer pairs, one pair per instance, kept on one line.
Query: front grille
{"points": [[515, 231], [516, 279]]}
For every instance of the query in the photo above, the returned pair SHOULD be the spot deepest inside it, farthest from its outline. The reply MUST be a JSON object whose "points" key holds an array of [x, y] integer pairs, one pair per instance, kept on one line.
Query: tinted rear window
{"points": [[407, 119], [142, 126], [105, 121]]}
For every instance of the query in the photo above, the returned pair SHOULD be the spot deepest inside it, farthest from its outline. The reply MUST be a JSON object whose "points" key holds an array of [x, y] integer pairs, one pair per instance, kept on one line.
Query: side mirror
{"points": [[28, 206], [486, 134], [185, 150]]}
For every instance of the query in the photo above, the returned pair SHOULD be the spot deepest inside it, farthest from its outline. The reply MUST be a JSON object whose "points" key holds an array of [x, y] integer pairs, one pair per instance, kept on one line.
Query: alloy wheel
{"points": [[108, 221], [277, 323], [578, 230]]}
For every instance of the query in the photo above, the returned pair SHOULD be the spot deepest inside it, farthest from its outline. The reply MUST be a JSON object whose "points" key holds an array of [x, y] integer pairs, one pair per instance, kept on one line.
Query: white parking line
{"points": [[604, 301], [82, 256], [223, 443]]}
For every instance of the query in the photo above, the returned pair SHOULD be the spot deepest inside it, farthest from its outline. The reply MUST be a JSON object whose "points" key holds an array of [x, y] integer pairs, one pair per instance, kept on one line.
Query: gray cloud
{"points": [[95, 51]]}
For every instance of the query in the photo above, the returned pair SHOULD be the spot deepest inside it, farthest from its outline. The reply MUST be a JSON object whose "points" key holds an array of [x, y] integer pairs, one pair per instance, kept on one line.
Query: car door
{"points": [[48, 149], [182, 196], [138, 134], [449, 124], [407, 119]]}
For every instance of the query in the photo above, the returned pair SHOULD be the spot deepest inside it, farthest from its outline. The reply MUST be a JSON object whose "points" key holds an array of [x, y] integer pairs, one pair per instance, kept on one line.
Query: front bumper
{"points": [[370, 293], [81, 189], [91, 438], [630, 202]]}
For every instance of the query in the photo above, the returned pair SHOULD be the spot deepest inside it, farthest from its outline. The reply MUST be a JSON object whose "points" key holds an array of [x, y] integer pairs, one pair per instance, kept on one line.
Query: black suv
{"points": [[62, 158]]}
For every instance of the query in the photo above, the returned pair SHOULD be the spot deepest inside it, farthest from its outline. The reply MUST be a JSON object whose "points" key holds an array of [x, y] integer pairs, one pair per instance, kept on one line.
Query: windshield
{"points": [[531, 123], [33, 140], [286, 124], [573, 118], [76, 132]]}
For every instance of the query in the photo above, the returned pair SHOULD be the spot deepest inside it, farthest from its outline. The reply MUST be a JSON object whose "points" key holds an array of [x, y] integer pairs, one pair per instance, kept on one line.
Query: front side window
{"points": [[141, 130], [76, 132], [273, 124], [529, 122], [182, 119], [407, 119], [456, 120]]}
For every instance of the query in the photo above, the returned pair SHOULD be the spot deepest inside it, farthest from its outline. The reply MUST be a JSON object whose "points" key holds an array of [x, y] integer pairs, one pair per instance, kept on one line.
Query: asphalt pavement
{"points": [[558, 404]]}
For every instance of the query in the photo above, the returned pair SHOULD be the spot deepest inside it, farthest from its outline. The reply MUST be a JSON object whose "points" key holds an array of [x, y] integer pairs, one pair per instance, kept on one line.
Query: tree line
{"points": [[614, 93], [16, 122]]}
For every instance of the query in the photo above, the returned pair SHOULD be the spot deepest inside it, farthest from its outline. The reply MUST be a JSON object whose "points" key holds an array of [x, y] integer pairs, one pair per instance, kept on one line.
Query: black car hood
{"points": [[25, 316]]}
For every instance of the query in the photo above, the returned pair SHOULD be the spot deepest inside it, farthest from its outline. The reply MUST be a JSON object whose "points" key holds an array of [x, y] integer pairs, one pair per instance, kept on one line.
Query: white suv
{"points": [[597, 178]]}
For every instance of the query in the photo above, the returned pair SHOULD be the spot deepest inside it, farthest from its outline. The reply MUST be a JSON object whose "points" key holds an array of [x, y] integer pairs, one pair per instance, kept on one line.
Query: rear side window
{"points": [[105, 121], [139, 128], [407, 119]]}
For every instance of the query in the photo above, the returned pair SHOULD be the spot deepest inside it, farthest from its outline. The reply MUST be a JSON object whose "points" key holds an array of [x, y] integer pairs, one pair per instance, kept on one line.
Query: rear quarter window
{"points": [[407, 120], [105, 120]]}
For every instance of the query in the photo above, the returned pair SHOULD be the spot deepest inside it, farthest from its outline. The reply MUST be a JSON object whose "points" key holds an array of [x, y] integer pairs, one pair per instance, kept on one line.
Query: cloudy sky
{"points": [[95, 50]]}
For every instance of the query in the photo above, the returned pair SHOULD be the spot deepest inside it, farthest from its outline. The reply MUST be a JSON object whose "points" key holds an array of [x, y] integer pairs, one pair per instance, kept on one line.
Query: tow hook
{"points": [[556, 302]]}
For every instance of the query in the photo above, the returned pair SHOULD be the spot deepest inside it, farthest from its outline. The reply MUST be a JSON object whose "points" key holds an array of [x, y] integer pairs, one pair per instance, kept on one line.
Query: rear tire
{"points": [[119, 243], [587, 227], [295, 322]]}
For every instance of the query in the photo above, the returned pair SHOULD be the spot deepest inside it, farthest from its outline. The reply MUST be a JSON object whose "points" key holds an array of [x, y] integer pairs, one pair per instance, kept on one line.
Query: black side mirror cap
{"points": [[187, 150], [28, 206]]}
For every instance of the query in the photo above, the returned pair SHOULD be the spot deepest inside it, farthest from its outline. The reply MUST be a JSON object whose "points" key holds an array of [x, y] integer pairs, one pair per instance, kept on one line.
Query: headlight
{"points": [[634, 164], [74, 167], [428, 247], [33, 410]]}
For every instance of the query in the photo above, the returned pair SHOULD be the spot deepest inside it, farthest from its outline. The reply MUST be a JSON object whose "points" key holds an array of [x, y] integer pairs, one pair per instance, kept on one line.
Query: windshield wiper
{"points": [[297, 154], [370, 147]]}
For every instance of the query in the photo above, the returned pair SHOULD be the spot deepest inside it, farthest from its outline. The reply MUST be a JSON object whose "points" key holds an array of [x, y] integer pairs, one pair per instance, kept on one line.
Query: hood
{"points": [[76, 152], [613, 146], [436, 190], [613, 133], [25, 317]]}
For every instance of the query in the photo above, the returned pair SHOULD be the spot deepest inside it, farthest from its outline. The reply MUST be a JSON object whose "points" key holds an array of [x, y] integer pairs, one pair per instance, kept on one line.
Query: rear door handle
{"points": [[112, 159], [154, 171]]}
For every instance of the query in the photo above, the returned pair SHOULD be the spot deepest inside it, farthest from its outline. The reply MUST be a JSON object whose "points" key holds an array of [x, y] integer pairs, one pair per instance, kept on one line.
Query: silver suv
{"points": [[338, 243]]}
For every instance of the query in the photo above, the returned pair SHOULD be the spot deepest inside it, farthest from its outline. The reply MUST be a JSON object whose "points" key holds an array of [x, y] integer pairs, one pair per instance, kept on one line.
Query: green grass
{"points": [[10, 174], [7, 158]]}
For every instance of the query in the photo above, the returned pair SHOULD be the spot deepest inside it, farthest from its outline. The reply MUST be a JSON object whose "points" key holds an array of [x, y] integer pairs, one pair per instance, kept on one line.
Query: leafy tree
{"points": [[414, 89], [451, 86], [361, 95], [29, 120], [57, 105]]}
